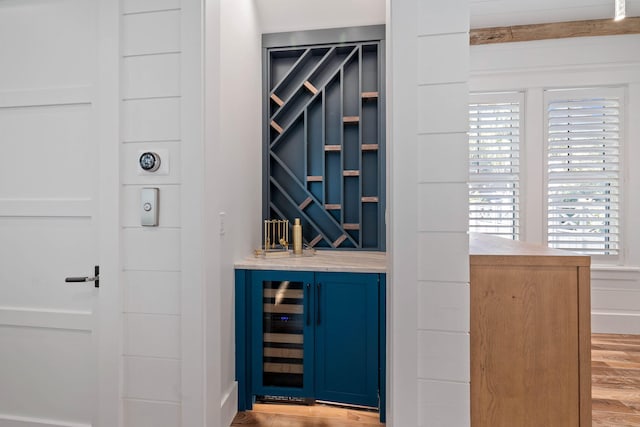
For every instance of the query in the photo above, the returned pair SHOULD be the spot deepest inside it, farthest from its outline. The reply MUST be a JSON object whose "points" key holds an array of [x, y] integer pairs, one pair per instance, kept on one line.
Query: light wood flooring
{"points": [[284, 415], [616, 394]]}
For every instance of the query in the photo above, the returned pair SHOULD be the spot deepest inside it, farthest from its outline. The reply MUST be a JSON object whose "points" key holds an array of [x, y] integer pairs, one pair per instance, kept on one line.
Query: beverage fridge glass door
{"points": [[283, 333]]}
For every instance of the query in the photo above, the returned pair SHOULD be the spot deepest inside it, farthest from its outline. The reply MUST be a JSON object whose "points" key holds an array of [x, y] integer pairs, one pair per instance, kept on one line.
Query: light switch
{"points": [[149, 207]]}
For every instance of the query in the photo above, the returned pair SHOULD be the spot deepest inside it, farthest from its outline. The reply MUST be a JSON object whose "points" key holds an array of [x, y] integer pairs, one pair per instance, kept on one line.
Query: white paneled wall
{"points": [[443, 347], [150, 115], [533, 67], [429, 243]]}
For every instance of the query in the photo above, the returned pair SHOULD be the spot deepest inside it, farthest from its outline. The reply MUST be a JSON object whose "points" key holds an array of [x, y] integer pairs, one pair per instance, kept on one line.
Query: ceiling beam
{"points": [[557, 30]]}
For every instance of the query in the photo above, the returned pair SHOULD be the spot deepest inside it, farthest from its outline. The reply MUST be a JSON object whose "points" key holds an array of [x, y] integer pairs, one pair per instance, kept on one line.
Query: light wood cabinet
{"points": [[530, 335]]}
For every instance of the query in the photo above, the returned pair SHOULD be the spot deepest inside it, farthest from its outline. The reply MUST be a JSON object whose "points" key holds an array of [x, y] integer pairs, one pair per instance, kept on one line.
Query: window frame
{"points": [[533, 123], [551, 94]]}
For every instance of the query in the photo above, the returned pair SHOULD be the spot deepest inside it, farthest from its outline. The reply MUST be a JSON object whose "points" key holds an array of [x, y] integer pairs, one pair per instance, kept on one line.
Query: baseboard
{"points": [[615, 323], [229, 405], [16, 421]]}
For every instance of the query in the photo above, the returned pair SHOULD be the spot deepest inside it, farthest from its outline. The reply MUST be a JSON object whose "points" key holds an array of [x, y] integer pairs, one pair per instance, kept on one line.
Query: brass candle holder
{"points": [[276, 237]]}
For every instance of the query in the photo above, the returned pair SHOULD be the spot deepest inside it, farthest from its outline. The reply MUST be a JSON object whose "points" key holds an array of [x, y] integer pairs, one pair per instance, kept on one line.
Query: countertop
{"points": [[491, 250], [327, 260]]}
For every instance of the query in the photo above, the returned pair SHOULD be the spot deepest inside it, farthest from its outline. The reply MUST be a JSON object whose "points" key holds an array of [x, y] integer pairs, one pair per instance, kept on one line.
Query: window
{"points": [[494, 164], [583, 170]]}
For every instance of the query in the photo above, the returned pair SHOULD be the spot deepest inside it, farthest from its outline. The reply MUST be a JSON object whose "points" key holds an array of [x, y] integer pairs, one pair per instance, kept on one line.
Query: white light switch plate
{"points": [[149, 207]]}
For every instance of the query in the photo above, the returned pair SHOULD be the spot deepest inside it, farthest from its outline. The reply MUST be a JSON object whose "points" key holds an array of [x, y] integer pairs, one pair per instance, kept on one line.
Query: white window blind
{"points": [[583, 170], [494, 164]]}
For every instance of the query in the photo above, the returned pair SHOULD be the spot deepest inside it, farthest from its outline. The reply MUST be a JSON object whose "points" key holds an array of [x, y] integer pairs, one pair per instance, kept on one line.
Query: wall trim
{"points": [[615, 269], [16, 421], [229, 405], [309, 37], [48, 319], [615, 322], [52, 97]]}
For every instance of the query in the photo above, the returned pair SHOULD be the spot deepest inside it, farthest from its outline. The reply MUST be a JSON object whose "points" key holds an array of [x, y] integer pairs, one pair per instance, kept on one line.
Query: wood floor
{"points": [[615, 372], [282, 415], [616, 394]]}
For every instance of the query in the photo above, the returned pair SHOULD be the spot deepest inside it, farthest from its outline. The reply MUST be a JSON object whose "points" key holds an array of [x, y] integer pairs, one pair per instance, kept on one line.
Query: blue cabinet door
{"points": [[347, 338], [282, 310]]}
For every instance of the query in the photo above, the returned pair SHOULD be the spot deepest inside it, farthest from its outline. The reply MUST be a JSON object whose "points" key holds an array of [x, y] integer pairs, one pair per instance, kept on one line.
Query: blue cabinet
{"points": [[310, 335], [346, 337]]}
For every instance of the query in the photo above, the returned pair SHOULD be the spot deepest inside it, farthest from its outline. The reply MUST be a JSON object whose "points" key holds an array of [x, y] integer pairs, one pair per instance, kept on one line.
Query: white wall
{"points": [[429, 291], [532, 67], [150, 120], [295, 15], [164, 266], [240, 171]]}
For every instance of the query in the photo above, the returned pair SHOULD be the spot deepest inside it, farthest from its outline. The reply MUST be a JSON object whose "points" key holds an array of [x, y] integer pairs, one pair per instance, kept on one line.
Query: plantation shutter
{"points": [[583, 170], [494, 164]]}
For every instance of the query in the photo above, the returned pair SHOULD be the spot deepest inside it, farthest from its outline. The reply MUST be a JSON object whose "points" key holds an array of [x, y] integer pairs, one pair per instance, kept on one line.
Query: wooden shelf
{"points": [[370, 147], [369, 199], [351, 226], [283, 308], [285, 353], [369, 95], [351, 173], [284, 293], [283, 338], [339, 240], [332, 207], [350, 120], [305, 203], [276, 126], [314, 178], [311, 87], [277, 100], [283, 368], [332, 148], [316, 240]]}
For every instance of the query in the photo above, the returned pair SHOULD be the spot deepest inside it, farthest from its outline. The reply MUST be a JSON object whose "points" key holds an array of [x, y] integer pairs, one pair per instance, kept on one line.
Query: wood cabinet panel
{"points": [[530, 347]]}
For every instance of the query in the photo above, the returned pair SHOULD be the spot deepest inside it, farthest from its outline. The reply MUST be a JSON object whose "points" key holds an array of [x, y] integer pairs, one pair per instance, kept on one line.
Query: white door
{"points": [[49, 199]]}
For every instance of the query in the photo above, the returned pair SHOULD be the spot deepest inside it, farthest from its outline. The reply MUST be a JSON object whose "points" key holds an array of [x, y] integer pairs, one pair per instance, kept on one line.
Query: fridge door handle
{"points": [[306, 303]]}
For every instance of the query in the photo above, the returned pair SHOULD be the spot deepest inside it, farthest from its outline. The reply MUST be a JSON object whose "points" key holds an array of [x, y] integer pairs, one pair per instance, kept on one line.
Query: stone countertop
{"points": [[490, 250], [327, 260]]}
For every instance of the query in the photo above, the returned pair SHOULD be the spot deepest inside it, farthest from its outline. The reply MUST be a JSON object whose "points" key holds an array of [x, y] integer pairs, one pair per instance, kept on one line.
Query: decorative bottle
{"points": [[297, 237]]}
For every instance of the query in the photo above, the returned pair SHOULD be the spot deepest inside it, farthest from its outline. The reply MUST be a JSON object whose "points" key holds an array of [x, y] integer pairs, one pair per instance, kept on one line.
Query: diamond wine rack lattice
{"points": [[324, 142]]}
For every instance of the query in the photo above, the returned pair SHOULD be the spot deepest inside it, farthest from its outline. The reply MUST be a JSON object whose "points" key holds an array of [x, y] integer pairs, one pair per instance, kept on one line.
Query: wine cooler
{"points": [[283, 333]]}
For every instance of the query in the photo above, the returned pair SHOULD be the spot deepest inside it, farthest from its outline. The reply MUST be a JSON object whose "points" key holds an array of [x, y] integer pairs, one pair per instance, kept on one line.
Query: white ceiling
{"points": [[494, 13], [294, 15]]}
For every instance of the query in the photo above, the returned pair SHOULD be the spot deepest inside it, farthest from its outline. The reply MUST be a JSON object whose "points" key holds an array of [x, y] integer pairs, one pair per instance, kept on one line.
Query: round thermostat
{"points": [[149, 161]]}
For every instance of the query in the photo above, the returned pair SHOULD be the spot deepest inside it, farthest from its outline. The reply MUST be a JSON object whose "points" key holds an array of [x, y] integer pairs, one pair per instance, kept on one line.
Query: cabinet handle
{"points": [[318, 305], [306, 300]]}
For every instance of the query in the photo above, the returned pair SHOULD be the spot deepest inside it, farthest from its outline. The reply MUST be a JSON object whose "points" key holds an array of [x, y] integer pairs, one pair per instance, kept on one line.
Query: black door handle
{"points": [[306, 300], [81, 279], [318, 304]]}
